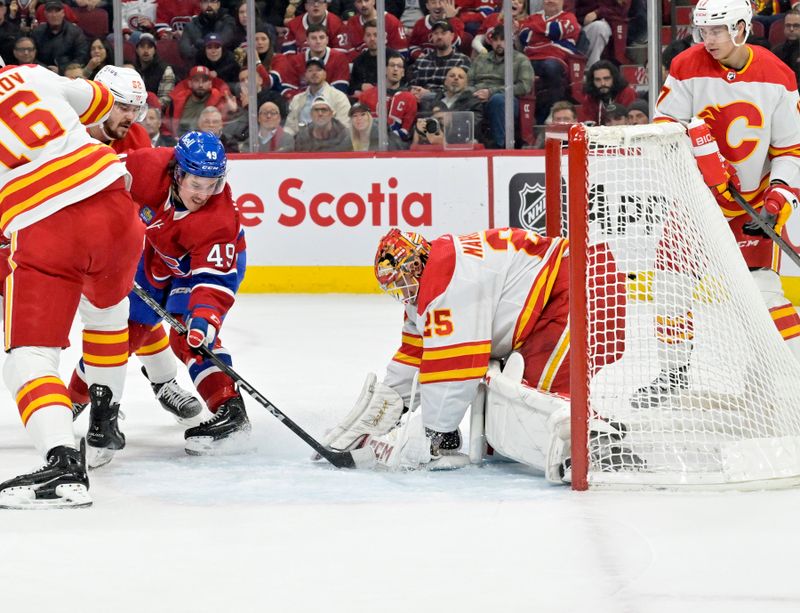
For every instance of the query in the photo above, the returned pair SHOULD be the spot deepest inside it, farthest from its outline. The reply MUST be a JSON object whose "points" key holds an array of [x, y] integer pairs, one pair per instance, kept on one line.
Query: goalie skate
{"points": [[176, 400], [227, 431], [665, 386], [61, 483], [607, 449]]}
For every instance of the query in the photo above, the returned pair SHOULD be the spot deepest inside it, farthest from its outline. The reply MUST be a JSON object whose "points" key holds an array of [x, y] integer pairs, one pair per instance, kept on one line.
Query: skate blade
{"points": [[448, 462], [237, 443], [69, 496], [196, 420], [98, 456]]}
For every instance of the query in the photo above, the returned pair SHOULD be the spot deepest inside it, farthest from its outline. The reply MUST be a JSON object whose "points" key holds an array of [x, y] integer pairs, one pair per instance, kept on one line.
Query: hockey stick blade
{"points": [[340, 459], [768, 230]]}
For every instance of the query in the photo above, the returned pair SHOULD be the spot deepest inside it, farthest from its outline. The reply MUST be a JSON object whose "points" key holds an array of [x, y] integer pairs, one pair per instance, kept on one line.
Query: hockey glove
{"points": [[717, 172], [779, 202], [202, 327]]}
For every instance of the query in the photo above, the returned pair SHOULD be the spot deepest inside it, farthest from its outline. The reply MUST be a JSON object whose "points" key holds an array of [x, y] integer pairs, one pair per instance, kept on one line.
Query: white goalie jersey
{"points": [[480, 296]]}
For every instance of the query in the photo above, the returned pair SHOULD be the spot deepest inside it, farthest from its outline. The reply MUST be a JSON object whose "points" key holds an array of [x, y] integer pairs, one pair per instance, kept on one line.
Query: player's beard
{"points": [[119, 131]]}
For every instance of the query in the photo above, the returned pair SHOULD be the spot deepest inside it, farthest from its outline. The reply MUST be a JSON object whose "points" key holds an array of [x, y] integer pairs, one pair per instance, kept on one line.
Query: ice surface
{"points": [[271, 531]]}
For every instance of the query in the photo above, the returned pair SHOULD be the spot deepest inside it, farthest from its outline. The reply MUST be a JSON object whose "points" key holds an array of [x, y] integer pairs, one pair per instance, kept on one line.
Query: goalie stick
{"points": [[357, 458], [768, 230]]}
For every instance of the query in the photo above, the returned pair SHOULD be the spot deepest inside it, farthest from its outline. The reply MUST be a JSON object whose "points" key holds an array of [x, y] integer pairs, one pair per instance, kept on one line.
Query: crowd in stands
{"points": [[317, 65]]}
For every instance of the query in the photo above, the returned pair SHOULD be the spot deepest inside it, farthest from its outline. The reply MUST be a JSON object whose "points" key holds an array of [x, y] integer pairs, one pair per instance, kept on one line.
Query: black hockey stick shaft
{"points": [[768, 230], [340, 459]]}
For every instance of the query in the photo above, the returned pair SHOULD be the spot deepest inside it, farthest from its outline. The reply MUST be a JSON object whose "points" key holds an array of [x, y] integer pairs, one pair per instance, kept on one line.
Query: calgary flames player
{"points": [[60, 186], [470, 299], [748, 99], [122, 130], [194, 261]]}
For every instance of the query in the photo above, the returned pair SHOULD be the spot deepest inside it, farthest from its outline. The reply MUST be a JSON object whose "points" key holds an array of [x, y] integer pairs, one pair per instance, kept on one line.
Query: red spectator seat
{"points": [[527, 117], [666, 12], [776, 33], [683, 15], [758, 29], [169, 52], [94, 23], [634, 74], [666, 35], [619, 41], [128, 52], [576, 67]]}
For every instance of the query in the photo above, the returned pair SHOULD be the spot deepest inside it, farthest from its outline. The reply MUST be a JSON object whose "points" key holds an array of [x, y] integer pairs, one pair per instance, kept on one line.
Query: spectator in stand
{"points": [[59, 42], [487, 75], [789, 50], [474, 12], [159, 77], [401, 104], [768, 12], [427, 132], [616, 115], [316, 13], [100, 54], [192, 95], [139, 17], [9, 32], [210, 120], [638, 113], [365, 13], [74, 71], [318, 87], [365, 67], [421, 41], [364, 131], [272, 138], [604, 87], [562, 114], [456, 95], [597, 16], [324, 132], [237, 128], [25, 52], [518, 13], [218, 60], [430, 70], [410, 14], [335, 61], [173, 15], [240, 27], [548, 36], [211, 20], [152, 123]]}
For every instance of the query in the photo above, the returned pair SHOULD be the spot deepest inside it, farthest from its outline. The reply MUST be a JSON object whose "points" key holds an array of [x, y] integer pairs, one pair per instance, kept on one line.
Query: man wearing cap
{"points": [[158, 76], [218, 60], [300, 106], [325, 132], [638, 113], [59, 42], [316, 13], [420, 42], [337, 68], [211, 20], [192, 95], [430, 70]]}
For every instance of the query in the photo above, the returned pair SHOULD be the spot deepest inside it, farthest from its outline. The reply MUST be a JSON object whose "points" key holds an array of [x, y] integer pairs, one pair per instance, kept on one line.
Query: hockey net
{"points": [[675, 292]]}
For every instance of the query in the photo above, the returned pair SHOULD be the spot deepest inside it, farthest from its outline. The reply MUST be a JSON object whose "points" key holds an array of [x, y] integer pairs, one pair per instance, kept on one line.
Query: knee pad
{"points": [[769, 284], [111, 318], [25, 364]]}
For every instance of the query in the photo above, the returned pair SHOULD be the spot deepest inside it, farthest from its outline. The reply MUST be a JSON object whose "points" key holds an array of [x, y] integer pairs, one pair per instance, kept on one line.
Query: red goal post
{"points": [[658, 286]]}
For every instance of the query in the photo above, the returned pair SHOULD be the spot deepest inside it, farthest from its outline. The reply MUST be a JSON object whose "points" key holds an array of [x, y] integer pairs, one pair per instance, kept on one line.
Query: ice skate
{"points": [[61, 483], [78, 408], [444, 450], [104, 437], [668, 383], [224, 432], [607, 449], [176, 400]]}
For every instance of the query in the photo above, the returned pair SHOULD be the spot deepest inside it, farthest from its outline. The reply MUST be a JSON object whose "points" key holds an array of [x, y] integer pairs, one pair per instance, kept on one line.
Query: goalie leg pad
{"points": [[375, 413], [525, 424]]}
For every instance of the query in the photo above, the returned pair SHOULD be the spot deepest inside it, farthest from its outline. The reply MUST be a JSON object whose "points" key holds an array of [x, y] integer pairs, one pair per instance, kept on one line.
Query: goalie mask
{"points": [[727, 13], [399, 263]]}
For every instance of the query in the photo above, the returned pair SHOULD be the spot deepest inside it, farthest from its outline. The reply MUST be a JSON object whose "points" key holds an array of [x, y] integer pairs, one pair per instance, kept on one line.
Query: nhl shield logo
{"points": [[532, 207], [731, 76]]}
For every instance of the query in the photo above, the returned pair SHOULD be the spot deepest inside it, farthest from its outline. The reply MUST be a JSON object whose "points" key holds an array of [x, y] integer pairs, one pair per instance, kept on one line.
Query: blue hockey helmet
{"points": [[200, 154]]}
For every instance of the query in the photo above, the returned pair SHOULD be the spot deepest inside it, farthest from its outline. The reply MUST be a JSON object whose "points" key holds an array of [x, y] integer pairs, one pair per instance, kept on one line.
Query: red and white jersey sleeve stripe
{"points": [[47, 158]]}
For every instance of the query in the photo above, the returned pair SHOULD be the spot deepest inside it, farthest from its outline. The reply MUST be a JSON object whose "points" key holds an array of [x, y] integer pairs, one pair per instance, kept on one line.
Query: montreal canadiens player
{"points": [[748, 100], [122, 132], [194, 261], [468, 300], [61, 187]]}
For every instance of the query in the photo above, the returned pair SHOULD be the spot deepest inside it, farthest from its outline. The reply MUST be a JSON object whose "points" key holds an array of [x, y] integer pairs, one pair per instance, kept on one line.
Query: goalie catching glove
{"points": [[779, 202]]}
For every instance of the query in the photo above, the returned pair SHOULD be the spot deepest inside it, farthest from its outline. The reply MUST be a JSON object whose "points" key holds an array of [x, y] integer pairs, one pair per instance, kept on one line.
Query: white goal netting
{"points": [[701, 379]]}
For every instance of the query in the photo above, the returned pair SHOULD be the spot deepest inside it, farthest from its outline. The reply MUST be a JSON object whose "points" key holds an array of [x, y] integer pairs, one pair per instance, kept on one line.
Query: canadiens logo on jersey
{"points": [[730, 125]]}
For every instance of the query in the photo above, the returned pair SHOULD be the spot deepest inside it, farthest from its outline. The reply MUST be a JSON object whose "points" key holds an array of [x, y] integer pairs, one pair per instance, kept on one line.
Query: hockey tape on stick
{"points": [[768, 230], [357, 458]]}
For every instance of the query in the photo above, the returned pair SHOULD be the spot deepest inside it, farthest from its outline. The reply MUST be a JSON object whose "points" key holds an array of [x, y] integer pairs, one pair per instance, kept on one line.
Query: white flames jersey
{"points": [[480, 295], [47, 158], [753, 113]]}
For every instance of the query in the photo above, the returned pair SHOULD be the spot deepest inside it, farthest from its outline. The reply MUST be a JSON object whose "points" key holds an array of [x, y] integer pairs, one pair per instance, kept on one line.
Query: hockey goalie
{"points": [[470, 302]]}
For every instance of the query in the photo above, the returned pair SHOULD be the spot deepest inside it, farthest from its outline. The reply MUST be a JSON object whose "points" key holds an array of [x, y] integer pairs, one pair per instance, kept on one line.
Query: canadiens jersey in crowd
{"points": [[203, 245], [753, 114], [480, 296], [47, 159]]}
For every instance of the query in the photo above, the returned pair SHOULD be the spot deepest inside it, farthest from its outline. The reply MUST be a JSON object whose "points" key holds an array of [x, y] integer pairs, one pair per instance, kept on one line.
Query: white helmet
{"points": [[722, 13], [127, 86]]}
